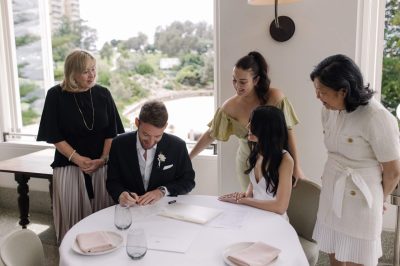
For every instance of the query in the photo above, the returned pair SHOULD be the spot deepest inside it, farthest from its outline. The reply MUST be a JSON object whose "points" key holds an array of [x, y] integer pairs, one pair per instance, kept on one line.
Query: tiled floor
{"points": [[42, 224]]}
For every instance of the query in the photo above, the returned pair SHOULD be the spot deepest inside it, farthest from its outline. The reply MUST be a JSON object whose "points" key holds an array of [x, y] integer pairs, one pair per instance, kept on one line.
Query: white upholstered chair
{"points": [[22, 248], [302, 214]]}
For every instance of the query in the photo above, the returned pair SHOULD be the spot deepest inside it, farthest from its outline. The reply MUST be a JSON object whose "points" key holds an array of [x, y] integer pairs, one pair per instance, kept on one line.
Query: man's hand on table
{"points": [[150, 197]]}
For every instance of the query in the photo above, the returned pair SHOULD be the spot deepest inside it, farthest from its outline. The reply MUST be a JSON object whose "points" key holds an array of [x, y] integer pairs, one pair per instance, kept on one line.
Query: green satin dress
{"points": [[223, 126]]}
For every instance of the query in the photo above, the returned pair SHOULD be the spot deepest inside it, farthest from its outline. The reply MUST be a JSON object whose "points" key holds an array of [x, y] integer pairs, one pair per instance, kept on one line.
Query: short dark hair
{"points": [[155, 113], [340, 72], [255, 62]]}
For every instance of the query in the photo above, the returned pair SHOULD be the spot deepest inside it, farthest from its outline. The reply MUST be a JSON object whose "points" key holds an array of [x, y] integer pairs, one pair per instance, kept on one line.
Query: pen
{"points": [[171, 202]]}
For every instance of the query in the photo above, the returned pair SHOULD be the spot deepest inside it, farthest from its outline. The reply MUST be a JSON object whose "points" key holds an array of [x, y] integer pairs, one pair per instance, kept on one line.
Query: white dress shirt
{"points": [[145, 164]]}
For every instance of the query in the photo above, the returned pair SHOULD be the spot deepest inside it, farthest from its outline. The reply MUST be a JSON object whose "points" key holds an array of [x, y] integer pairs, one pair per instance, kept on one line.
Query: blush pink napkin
{"points": [[257, 254], [94, 242]]}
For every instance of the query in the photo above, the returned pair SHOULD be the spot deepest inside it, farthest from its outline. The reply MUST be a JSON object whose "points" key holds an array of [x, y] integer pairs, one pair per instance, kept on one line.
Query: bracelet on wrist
{"points": [[105, 159], [72, 154]]}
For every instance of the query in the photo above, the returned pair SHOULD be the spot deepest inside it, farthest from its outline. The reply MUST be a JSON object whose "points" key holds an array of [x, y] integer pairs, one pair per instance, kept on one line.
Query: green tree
{"points": [[207, 72], [144, 68], [391, 83], [183, 37], [29, 117], [189, 75], [26, 39], [27, 87], [391, 59], [72, 35], [192, 59], [137, 43], [392, 29], [106, 52]]}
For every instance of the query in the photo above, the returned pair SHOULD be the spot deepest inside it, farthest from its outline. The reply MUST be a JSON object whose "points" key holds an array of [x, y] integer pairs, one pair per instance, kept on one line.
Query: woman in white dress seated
{"points": [[271, 165]]}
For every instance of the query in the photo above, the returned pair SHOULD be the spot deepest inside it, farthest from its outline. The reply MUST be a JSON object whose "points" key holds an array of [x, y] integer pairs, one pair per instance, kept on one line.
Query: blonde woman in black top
{"points": [[80, 119]]}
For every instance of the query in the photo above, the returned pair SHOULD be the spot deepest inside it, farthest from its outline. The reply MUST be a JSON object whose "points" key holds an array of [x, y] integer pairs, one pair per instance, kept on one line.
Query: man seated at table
{"points": [[148, 164]]}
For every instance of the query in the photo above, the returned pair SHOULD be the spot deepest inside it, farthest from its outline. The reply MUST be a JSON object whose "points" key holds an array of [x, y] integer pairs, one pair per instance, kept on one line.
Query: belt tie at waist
{"points": [[340, 184]]}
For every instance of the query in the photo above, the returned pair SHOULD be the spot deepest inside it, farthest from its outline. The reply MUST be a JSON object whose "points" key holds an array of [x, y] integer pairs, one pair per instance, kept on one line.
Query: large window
{"points": [[391, 57], [145, 49]]}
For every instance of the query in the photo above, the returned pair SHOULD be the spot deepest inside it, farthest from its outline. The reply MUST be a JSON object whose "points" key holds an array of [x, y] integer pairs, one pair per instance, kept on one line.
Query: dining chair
{"points": [[302, 212], [22, 248]]}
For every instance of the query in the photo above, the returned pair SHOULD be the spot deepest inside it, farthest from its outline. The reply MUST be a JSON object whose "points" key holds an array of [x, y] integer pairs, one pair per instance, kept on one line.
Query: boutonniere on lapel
{"points": [[161, 158]]}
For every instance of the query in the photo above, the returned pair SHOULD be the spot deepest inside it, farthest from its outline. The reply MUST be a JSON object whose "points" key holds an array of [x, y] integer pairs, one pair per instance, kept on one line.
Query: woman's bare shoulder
{"points": [[275, 96], [287, 160], [230, 105]]}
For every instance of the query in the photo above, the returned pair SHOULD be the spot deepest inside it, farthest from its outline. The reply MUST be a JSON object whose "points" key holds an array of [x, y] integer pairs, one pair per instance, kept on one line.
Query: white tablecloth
{"points": [[207, 247]]}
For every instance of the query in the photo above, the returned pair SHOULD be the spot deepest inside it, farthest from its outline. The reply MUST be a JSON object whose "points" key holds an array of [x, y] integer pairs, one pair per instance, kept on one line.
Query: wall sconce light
{"points": [[282, 27]]}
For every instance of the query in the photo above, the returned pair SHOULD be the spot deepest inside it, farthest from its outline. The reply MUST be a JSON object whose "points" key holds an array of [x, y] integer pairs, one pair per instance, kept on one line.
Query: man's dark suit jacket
{"points": [[175, 173]]}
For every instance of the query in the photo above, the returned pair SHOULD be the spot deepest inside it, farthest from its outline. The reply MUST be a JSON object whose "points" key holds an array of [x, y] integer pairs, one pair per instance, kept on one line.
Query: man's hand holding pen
{"points": [[128, 198]]}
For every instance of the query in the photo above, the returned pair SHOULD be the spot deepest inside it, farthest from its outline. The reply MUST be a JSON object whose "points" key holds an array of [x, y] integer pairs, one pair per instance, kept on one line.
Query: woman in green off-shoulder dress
{"points": [[251, 82]]}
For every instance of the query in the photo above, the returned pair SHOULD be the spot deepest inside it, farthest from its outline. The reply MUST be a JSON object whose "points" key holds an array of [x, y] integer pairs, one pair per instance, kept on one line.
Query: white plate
{"points": [[115, 238], [233, 248]]}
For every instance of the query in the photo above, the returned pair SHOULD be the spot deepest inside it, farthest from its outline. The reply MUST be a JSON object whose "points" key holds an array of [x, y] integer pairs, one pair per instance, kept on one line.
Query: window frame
{"points": [[11, 115], [369, 47]]}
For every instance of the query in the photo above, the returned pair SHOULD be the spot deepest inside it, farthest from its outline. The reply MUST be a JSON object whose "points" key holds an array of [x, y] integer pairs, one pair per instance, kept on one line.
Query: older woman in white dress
{"points": [[363, 166]]}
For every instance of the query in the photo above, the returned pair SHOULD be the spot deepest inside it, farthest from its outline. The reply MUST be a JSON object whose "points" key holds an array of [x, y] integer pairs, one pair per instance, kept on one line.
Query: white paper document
{"points": [[190, 213], [175, 236], [230, 219]]}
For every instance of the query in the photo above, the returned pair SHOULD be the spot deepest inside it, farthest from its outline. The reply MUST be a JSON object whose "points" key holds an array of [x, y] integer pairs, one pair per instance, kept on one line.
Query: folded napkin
{"points": [[94, 242], [257, 254]]}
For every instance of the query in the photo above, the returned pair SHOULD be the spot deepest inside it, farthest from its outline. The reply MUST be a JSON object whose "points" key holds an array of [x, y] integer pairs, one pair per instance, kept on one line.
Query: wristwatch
{"points": [[163, 190]]}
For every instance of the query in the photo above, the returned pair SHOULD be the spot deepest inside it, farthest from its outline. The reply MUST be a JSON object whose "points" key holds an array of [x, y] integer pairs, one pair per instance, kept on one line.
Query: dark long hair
{"points": [[255, 62], [340, 72], [268, 124]]}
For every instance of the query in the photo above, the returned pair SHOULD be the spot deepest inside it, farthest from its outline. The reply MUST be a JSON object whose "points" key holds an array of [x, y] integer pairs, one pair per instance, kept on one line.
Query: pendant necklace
{"points": [[80, 111]]}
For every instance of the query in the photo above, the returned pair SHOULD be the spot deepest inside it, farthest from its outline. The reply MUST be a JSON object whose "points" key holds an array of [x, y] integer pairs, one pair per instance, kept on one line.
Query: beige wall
{"points": [[322, 28]]}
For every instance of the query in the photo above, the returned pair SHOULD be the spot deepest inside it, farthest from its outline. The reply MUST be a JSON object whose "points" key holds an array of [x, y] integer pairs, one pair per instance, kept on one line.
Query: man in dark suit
{"points": [[148, 164]]}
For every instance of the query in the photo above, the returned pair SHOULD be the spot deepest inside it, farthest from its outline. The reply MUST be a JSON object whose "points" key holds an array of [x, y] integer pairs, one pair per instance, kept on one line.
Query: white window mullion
{"points": [[11, 119], [47, 54], [369, 42]]}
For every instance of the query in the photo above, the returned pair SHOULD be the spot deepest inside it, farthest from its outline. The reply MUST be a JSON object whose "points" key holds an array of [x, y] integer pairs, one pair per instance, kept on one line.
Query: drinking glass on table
{"points": [[136, 243], [122, 217]]}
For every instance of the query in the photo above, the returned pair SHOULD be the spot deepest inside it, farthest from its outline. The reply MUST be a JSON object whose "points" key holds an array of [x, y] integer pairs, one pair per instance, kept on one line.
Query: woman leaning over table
{"points": [[363, 166], [80, 119], [252, 87]]}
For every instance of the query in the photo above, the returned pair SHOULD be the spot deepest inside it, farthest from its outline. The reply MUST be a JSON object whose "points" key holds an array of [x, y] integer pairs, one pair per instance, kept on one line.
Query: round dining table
{"points": [[200, 244]]}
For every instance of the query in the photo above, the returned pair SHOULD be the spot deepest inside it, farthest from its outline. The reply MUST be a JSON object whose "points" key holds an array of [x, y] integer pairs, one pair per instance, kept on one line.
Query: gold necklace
{"points": [[80, 111]]}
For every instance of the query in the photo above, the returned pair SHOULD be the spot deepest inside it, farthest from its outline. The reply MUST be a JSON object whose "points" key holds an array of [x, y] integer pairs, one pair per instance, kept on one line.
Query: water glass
{"points": [[136, 244], [122, 217]]}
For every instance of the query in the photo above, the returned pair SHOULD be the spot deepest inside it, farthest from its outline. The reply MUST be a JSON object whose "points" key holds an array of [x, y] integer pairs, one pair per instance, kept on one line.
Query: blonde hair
{"points": [[75, 63]]}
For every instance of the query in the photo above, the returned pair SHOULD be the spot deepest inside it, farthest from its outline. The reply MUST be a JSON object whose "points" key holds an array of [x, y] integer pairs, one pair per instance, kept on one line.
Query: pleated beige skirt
{"points": [[71, 202]]}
